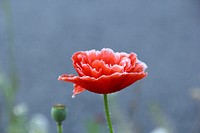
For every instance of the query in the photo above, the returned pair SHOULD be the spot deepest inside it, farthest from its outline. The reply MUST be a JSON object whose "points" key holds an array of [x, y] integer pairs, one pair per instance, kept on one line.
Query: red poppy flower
{"points": [[104, 71]]}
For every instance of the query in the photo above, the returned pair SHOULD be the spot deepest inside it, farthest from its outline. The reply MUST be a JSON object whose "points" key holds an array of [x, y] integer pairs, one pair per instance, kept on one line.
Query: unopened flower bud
{"points": [[59, 112]]}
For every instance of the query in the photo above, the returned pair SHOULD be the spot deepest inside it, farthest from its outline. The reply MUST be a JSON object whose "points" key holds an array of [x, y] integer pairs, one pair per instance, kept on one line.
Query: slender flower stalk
{"points": [[107, 113], [59, 127]]}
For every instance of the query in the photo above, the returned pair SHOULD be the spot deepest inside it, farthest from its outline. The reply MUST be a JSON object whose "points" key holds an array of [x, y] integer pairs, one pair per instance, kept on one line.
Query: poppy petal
{"points": [[106, 83], [77, 89]]}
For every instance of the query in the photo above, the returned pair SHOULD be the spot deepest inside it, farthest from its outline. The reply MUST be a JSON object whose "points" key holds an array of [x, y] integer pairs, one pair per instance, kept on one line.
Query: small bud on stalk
{"points": [[59, 114]]}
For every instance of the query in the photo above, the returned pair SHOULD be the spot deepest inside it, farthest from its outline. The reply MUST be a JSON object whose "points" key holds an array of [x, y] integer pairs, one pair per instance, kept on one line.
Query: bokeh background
{"points": [[38, 38]]}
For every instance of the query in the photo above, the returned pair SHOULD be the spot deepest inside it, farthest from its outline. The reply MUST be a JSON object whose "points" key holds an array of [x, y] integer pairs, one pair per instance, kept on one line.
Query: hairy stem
{"points": [[107, 113]]}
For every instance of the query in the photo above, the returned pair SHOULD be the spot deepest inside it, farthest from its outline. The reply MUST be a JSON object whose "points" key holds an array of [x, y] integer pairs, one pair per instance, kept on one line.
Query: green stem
{"points": [[107, 113], [59, 127]]}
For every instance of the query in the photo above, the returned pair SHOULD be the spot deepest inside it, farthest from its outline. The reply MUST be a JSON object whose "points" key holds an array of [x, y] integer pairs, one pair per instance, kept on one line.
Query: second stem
{"points": [[107, 113]]}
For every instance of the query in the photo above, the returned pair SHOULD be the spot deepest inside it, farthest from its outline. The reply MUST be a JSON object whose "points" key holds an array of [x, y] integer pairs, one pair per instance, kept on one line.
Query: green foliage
{"points": [[16, 121], [18, 124], [93, 126], [159, 117], [9, 87]]}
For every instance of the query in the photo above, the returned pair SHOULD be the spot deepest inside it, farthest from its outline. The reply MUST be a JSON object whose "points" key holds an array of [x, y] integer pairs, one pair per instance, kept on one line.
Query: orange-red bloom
{"points": [[104, 71]]}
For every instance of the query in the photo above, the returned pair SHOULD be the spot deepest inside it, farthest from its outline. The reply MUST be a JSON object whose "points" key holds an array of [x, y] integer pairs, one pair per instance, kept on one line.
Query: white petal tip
{"points": [[59, 78]]}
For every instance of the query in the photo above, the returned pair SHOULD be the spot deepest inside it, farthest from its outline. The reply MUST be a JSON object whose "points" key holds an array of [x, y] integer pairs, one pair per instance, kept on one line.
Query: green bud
{"points": [[59, 113]]}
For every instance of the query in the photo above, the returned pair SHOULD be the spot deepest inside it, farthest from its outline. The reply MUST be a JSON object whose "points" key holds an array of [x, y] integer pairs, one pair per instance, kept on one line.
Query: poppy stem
{"points": [[107, 113], [59, 127]]}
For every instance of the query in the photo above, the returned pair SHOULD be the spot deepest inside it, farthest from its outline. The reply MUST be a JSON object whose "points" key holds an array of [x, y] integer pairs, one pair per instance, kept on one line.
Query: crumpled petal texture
{"points": [[104, 71]]}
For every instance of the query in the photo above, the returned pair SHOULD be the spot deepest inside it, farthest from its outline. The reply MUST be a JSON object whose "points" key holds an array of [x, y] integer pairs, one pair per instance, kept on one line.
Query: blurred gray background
{"points": [[164, 34]]}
